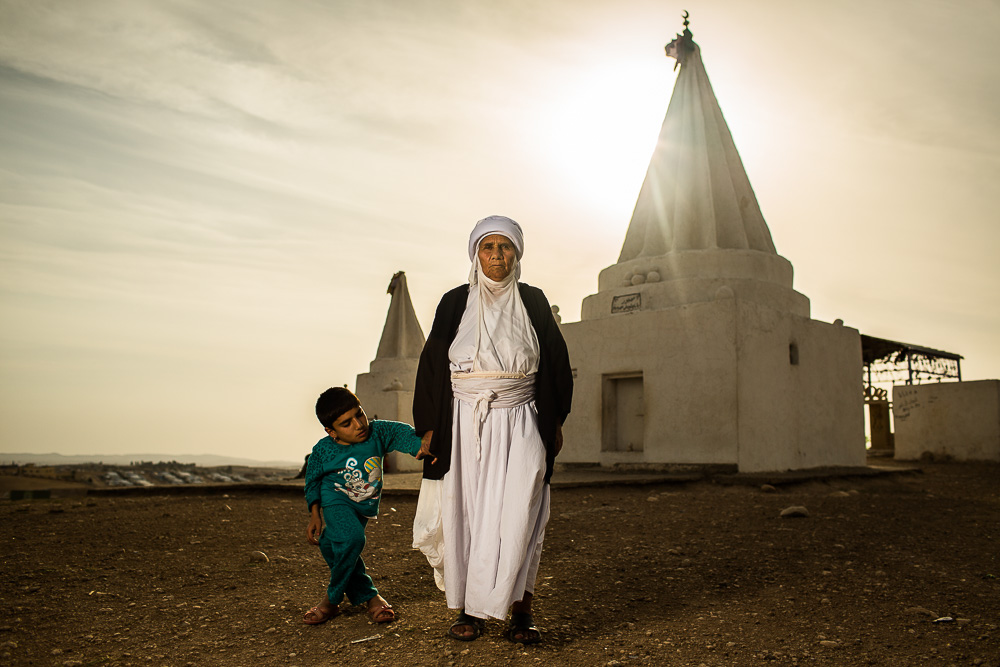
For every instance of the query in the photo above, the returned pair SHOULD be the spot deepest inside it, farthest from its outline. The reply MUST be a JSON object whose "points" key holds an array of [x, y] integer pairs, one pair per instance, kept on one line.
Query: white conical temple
{"points": [[696, 195], [402, 336], [696, 233]]}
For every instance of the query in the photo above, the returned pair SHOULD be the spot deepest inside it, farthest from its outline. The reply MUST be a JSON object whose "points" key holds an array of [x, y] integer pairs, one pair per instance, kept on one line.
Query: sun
{"points": [[597, 133]]}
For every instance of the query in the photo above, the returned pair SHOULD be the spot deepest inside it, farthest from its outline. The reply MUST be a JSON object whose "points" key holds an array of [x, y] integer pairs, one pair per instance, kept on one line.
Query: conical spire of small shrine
{"points": [[696, 194], [401, 335]]}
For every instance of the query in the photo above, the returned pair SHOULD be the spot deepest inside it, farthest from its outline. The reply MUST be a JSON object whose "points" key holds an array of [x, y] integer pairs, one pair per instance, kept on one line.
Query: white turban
{"points": [[496, 224], [495, 334]]}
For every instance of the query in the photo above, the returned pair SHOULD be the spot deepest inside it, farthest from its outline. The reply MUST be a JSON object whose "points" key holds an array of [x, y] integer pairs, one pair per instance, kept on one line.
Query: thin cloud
{"points": [[201, 203]]}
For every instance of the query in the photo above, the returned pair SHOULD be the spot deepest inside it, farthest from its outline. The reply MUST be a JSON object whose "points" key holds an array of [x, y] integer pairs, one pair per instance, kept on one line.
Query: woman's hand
{"points": [[315, 526], [425, 447]]}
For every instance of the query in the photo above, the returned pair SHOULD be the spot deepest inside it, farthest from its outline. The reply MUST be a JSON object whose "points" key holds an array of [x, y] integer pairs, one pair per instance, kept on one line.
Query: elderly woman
{"points": [[494, 386]]}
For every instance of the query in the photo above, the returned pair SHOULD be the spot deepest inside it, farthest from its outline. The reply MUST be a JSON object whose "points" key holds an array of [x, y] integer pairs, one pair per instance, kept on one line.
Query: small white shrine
{"points": [[386, 390], [696, 349]]}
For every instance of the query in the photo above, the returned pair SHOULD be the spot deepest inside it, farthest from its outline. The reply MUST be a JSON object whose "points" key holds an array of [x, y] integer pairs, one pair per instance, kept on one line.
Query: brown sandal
{"points": [[320, 616], [382, 614]]}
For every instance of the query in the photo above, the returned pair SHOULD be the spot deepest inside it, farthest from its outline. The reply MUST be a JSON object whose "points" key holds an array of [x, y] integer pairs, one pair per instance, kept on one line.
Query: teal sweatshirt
{"points": [[352, 474]]}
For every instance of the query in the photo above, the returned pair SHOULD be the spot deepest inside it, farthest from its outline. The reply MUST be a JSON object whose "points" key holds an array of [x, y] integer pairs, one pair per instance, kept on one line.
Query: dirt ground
{"points": [[893, 570]]}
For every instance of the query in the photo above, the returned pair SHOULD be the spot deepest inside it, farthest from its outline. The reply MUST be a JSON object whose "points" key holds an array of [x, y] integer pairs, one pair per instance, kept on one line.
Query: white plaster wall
{"points": [[687, 358], [804, 415], [709, 263], [719, 387], [957, 419], [668, 294], [695, 276]]}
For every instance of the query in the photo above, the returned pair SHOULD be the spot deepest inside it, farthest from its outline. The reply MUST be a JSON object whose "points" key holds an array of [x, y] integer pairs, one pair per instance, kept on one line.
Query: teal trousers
{"points": [[341, 543]]}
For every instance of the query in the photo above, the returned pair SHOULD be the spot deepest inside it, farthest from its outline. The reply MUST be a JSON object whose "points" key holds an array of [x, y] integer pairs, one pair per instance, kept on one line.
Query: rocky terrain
{"points": [[899, 569]]}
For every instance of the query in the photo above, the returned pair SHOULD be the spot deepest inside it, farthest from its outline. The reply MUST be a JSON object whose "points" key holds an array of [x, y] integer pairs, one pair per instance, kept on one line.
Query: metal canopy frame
{"points": [[901, 363]]}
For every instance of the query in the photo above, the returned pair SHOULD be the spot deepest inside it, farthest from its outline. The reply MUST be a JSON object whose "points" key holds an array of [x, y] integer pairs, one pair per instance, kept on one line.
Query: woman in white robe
{"points": [[508, 383]]}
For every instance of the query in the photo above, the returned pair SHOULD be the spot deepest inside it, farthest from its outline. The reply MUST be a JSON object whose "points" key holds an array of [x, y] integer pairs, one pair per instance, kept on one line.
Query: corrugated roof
{"points": [[874, 350]]}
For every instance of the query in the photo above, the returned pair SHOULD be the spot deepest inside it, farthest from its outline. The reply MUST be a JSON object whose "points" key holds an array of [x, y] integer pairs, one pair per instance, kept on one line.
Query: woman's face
{"points": [[496, 256]]}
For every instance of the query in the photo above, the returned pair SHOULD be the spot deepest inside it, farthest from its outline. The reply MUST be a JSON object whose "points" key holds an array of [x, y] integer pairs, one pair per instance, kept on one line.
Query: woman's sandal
{"points": [[382, 614], [477, 625], [319, 616], [523, 624]]}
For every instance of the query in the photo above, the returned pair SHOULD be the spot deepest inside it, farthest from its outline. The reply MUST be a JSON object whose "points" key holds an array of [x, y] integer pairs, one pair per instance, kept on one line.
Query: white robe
{"points": [[495, 503]]}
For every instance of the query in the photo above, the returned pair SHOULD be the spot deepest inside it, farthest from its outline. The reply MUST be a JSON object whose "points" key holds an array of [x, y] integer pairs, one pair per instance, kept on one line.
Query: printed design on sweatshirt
{"points": [[361, 482]]}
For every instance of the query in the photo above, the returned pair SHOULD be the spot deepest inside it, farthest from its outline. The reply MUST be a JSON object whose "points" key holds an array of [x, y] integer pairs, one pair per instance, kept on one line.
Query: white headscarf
{"points": [[496, 224], [495, 334]]}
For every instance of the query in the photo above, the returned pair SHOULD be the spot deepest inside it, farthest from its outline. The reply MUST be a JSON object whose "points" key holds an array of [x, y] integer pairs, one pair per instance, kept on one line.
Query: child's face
{"points": [[350, 428]]}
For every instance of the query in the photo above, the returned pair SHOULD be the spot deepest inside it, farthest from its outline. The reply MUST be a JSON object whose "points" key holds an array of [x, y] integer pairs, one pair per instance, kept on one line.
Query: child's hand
{"points": [[314, 528], [425, 447]]}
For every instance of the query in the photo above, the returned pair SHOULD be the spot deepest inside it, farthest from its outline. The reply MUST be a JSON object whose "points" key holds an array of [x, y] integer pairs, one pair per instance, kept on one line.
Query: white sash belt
{"points": [[483, 391]]}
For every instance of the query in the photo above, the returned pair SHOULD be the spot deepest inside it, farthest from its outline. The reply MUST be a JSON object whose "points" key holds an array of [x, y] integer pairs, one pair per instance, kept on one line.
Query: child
{"points": [[344, 484]]}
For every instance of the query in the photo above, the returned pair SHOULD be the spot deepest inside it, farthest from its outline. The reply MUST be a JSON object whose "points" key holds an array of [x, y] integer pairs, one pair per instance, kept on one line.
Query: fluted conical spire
{"points": [[401, 335], [696, 195]]}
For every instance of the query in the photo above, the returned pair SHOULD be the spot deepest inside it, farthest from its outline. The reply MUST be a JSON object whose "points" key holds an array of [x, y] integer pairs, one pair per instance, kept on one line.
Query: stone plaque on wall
{"points": [[626, 303]]}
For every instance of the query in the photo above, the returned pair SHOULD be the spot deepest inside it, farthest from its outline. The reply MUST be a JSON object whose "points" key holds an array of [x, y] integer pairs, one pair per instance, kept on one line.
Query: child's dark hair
{"points": [[334, 402]]}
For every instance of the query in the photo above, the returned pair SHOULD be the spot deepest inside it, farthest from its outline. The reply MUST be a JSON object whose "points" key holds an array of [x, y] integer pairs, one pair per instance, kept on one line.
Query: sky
{"points": [[201, 204]]}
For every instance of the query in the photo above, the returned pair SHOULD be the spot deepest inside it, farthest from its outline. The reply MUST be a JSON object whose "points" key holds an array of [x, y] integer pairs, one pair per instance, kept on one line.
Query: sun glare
{"points": [[598, 132]]}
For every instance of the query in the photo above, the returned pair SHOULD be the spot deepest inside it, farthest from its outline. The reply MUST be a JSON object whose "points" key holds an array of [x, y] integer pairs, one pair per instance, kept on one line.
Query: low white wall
{"points": [[960, 420]]}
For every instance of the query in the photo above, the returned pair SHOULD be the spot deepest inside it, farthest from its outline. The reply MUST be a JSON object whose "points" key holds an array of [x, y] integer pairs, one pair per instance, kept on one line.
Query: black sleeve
{"points": [[554, 392], [426, 398], [554, 382], [557, 362], [432, 390]]}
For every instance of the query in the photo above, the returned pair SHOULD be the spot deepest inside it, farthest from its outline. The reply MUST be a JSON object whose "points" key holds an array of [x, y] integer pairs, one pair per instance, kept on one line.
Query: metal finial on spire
{"points": [[687, 32], [681, 44], [394, 282]]}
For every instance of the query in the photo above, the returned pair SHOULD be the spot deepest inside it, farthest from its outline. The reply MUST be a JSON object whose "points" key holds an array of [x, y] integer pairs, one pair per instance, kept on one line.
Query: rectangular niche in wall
{"points": [[623, 422]]}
